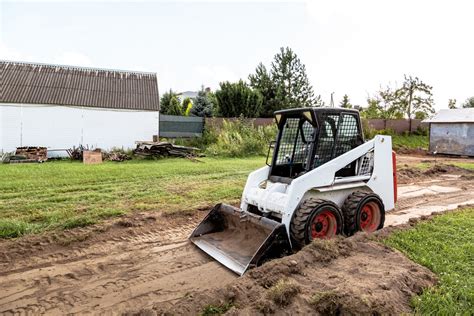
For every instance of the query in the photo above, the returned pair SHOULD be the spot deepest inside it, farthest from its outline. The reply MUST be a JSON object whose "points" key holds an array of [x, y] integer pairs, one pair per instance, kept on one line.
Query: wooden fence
{"points": [[188, 126]]}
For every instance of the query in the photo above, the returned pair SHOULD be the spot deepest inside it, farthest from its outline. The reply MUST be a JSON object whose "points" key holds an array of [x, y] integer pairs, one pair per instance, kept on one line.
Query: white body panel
{"points": [[282, 199], [62, 127]]}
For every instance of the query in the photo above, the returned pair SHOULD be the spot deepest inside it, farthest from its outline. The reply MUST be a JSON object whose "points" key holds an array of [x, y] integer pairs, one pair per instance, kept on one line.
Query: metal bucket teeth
{"points": [[240, 240]]}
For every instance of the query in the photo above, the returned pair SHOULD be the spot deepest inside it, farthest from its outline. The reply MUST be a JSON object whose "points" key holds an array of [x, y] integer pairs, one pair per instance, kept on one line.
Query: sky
{"points": [[348, 47]]}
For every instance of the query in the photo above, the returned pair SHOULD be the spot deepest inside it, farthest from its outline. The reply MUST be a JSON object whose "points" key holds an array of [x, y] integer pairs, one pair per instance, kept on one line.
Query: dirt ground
{"points": [[143, 262]]}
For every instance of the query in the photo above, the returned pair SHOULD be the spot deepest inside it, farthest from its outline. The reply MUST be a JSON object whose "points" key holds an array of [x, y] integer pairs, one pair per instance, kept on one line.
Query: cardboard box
{"points": [[90, 157]]}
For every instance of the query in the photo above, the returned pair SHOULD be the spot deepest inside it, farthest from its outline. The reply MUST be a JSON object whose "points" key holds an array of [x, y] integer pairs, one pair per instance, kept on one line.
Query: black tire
{"points": [[306, 212], [352, 211]]}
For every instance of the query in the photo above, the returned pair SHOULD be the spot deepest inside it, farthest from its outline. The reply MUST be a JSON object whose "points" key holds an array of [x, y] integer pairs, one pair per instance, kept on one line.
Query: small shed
{"points": [[452, 132]]}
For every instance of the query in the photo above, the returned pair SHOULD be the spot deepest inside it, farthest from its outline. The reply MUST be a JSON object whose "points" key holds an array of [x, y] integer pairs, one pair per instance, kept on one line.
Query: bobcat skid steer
{"points": [[323, 180]]}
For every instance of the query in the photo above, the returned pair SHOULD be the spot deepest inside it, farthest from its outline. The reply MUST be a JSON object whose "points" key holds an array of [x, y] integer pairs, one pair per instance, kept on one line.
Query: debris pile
{"points": [[164, 149], [76, 153], [115, 156], [27, 154]]}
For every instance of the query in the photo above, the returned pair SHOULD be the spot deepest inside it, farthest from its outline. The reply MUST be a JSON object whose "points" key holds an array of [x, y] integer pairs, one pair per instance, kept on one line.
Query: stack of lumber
{"points": [[164, 149], [29, 154], [115, 156]]}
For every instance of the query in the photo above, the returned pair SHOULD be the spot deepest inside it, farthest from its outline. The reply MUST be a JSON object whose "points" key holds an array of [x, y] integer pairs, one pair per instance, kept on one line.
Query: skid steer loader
{"points": [[322, 179]]}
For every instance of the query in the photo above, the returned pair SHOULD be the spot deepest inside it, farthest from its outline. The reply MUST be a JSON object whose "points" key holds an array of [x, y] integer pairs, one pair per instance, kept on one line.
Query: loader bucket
{"points": [[238, 239]]}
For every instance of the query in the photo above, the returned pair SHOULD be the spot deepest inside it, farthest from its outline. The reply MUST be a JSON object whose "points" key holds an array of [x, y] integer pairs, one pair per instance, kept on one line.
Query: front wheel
{"points": [[315, 218]]}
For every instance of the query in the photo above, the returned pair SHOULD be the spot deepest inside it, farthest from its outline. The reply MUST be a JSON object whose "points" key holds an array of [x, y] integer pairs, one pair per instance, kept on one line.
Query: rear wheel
{"points": [[315, 218], [363, 211]]}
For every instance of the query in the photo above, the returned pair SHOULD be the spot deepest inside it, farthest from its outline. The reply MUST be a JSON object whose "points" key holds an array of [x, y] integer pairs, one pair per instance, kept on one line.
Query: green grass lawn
{"points": [[465, 165], [410, 141], [445, 245], [39, 197]]}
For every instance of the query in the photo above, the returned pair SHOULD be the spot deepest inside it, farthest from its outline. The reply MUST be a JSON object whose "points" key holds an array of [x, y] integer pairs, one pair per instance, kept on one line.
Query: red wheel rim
{"points": [[370, 217], [324, 225]]}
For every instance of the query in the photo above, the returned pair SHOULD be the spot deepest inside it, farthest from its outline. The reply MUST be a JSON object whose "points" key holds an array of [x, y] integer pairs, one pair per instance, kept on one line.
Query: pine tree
{"points": [[285, 85], [262, 82], [291, 82], [203, 105], [345, 103]]}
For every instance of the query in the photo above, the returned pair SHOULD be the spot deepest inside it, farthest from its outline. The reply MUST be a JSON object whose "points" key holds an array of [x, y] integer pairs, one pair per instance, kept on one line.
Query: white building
{"points": [[59, 107]]}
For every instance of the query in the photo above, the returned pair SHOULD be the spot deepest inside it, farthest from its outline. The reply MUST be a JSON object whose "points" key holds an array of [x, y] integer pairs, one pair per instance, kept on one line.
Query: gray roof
{"points": [[30, 83], [452, 116]]}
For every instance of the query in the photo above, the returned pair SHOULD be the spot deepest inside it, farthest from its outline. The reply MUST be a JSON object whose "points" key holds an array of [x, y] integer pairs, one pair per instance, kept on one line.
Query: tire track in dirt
{"points": [[124, 272], [130, 263]]}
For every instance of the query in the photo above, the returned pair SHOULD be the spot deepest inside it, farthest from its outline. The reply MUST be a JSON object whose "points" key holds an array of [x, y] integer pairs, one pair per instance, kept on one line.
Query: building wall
{"points": [[452, 138], [62, 127]]}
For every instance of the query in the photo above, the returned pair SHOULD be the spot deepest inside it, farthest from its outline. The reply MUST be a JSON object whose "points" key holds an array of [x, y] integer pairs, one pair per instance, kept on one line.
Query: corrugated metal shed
{"points": [[28, 83], [453, 116], [452, 132]]}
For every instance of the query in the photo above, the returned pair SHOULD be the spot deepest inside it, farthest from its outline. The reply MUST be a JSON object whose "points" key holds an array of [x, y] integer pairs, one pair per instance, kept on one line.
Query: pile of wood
{"points": [[115, 156], [76, 153], [164, 149], [29, 154]]}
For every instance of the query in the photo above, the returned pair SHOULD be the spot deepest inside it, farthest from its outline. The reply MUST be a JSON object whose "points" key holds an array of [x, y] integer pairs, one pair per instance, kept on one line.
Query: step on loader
{"points": [[321, 179]]}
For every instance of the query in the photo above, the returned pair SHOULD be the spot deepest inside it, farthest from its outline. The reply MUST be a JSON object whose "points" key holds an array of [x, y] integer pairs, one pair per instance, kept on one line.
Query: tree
{"points": [[175, 107], [389, 106], [292, 84], [286, 85], [236, 99], [345, 103], [262, 82], [186, 106], [203, 104], [414, 96], [373, 110], [452, 104], [165, 101], [469, 103]]}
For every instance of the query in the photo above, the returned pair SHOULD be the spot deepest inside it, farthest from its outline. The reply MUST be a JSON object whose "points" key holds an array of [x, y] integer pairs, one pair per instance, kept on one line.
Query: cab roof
{"points": [[316, 110]]}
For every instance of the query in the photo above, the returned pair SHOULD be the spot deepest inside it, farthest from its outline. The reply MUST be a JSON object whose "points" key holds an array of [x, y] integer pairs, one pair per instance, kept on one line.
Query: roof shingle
{"points": [[77, 86]]}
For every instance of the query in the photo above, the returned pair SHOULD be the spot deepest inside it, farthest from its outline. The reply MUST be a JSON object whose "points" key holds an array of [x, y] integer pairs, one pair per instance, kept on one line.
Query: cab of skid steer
{"points": [[310, 137]]}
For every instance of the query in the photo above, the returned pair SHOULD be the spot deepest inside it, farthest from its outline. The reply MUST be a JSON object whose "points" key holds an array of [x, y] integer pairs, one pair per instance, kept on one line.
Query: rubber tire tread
{"points": [[350, 208], [299, 222]]}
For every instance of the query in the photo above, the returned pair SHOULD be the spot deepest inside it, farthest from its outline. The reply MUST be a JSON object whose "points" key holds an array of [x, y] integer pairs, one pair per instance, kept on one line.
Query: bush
{"points": [[209, 136], [421, 131], [240, 138], [235, 99], [370, 132]]}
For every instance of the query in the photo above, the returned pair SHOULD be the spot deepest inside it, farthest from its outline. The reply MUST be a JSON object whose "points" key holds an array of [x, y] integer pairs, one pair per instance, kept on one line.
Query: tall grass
{"points": [[240, 139]]}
